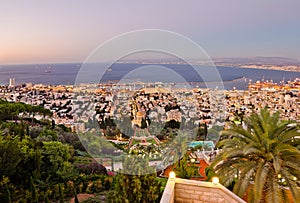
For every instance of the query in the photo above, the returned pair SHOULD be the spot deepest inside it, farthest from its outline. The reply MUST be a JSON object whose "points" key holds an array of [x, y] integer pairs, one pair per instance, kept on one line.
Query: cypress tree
{"points": [[138, 188], [34, 194], [75, 195], [61, 194]]}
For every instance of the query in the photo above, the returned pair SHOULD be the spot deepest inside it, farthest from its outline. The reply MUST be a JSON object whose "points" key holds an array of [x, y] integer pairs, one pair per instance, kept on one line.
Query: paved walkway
{"points": [[118, 165]]}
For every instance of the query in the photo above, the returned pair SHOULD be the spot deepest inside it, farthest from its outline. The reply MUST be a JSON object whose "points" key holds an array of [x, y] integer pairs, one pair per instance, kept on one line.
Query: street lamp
{"points": [[215, 180], [172, 175]]}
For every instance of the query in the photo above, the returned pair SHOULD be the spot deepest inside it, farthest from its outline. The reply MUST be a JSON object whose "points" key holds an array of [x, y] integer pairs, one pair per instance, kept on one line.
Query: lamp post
{"points": [[112, 164], [215, 180], [172, 175]]}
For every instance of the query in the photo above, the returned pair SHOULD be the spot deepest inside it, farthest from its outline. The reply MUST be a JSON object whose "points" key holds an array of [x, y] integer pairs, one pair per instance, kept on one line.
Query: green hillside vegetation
{"points": [[40, 162], [44, 162]]}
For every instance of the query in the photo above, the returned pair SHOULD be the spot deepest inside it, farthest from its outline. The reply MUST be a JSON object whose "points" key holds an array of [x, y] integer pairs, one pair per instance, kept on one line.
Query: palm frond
{"points": [[265, 148]]}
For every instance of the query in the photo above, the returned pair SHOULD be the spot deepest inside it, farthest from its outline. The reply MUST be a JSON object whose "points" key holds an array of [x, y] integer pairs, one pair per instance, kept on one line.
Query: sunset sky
{"points": [[34, 31]]}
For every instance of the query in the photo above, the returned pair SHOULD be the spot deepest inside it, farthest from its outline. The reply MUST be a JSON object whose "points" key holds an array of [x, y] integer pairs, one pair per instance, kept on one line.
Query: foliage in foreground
{"points": [[261, 158], [37, 159], [137, 188]]}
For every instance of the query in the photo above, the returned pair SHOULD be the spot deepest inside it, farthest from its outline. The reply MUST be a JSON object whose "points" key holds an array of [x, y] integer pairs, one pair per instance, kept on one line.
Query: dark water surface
{"points": [[66, 73]]}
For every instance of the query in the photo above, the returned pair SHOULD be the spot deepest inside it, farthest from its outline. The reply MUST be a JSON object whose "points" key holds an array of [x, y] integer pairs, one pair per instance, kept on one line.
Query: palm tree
{"points": [[262, 155], [175, 149]]}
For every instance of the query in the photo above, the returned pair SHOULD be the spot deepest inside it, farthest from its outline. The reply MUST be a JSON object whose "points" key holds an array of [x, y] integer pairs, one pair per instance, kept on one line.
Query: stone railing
{"points": [[182, 190], [169, 192]]}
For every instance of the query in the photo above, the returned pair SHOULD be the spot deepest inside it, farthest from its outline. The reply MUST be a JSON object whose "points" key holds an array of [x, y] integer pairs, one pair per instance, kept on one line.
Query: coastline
{"points": [[233, 76], [288, 68]]}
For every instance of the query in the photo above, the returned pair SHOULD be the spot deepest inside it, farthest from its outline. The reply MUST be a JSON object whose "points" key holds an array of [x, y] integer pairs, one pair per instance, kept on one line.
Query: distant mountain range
{"points": [[278, 61]]}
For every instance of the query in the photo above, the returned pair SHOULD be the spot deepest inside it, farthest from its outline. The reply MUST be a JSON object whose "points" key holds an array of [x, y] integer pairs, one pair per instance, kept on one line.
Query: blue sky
{"points": [[34, 31]]}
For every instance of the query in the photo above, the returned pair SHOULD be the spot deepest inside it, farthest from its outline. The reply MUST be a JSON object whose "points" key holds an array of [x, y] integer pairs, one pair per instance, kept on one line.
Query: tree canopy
{"points": [[261, 158]]}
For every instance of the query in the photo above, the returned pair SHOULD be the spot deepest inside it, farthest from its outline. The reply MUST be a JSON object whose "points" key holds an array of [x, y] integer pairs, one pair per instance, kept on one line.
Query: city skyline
{"points": [[60, 31]]}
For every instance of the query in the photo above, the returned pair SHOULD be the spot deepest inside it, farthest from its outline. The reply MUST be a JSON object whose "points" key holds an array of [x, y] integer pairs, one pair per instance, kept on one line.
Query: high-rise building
{"points": [[12, 82]]}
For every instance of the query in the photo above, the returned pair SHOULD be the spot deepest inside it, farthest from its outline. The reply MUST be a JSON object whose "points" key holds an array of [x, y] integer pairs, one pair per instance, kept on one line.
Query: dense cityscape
{"points": [[73, 110], [104, 123]]}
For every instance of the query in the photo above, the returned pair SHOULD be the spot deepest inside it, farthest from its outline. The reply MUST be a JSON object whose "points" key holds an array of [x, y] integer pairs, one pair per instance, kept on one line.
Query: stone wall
{"points": [[191, 191], [169, 192]]}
